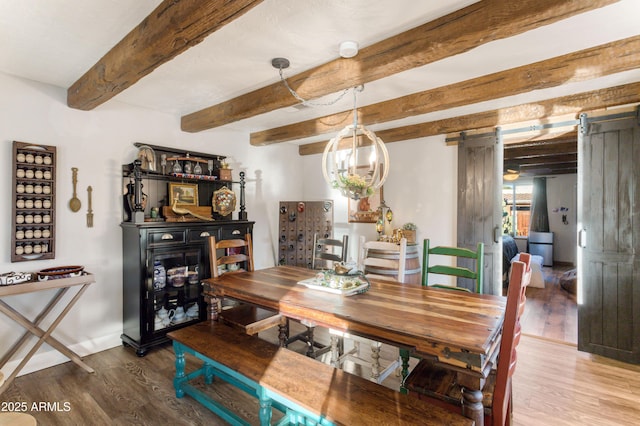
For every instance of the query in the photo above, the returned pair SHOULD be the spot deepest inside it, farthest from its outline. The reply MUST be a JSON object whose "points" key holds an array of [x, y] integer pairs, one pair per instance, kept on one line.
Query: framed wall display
{"points": [[224, 201], [365, 210], [186, 194]]}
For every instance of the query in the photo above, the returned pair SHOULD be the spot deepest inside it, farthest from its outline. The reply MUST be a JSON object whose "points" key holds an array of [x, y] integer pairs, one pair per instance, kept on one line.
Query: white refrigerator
{"points": [[541, 244]]}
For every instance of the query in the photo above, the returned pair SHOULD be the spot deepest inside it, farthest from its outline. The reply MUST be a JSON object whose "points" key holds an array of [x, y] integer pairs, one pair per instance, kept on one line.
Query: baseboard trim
{"points": [[51, 357]]}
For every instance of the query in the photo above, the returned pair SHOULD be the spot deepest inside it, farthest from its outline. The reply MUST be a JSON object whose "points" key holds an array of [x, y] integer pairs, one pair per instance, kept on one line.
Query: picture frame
{"points": [[186, 194], [365, 210]]}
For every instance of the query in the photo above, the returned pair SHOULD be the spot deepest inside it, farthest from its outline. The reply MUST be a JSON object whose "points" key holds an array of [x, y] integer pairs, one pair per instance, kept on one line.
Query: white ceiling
{"points": [[56, 41]]}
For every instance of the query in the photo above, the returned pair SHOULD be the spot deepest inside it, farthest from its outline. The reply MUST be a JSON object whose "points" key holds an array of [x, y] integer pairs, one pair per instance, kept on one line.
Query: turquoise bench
{"points": [[306, 391]]}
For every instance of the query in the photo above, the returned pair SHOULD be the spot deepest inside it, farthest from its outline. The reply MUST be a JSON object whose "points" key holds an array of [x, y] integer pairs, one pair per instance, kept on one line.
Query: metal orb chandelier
{"points": [[357, 167]]}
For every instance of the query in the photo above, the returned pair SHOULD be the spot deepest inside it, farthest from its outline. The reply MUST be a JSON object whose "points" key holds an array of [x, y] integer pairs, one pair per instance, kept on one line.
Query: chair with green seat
{"points": [[463, 256]]}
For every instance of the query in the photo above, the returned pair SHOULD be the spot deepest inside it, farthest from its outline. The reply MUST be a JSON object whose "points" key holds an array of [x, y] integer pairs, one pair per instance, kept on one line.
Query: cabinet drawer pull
{"points": [[167, 237], [205, 234], [236, 232]]}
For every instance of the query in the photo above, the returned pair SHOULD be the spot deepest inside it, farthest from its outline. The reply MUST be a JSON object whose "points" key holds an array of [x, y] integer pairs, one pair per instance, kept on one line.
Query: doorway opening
{"points": [[551, 310]]}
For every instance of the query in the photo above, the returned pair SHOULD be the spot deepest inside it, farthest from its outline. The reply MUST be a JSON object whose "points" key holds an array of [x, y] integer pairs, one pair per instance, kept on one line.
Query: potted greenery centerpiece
{"points": [[353, 186], [409, 232]]}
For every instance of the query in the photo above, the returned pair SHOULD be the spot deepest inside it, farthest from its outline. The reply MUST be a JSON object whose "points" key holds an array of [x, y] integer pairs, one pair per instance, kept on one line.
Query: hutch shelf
{"points": [[163, 241]]}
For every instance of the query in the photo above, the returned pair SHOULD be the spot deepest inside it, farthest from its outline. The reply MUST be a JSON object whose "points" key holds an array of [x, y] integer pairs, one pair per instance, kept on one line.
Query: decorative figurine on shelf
{"points": [[163, 163], [147, 157], [139, 198], [225, 171]]}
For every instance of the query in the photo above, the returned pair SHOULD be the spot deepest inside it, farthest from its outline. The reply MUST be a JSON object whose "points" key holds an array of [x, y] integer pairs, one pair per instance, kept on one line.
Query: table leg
{"points": [[335, 352], [375, 360], [472, 405], [283, 333], [212, 307]]}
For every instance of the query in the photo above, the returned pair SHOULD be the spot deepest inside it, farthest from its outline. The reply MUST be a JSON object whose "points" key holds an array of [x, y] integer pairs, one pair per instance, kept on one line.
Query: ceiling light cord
{"points": [[280, 64]]}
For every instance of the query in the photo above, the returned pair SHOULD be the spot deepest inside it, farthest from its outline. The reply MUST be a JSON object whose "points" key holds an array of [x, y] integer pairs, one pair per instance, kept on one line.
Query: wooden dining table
{"points": [[457, 330]]}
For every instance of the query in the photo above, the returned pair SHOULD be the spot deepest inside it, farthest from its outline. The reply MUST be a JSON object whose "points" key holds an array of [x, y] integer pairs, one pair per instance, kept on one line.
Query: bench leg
{"points": [[208, 373], [265, 406], [179, 379]]}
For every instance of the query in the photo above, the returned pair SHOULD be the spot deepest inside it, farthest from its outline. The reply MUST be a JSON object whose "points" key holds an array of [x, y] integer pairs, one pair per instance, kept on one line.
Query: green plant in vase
{"points": [[353, 186]]}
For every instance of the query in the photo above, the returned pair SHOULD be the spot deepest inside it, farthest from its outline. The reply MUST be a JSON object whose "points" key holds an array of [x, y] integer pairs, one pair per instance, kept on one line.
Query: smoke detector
{"points": [[348, 49]]}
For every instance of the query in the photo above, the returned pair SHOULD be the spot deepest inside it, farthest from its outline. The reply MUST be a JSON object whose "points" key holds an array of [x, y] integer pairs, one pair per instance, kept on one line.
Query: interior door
{"points": [[609, 238], [479, 204]]}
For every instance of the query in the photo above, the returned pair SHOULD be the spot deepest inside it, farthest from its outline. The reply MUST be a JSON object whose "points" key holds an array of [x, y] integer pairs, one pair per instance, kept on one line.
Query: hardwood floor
{"points": [[551, 312], [554, 384]]}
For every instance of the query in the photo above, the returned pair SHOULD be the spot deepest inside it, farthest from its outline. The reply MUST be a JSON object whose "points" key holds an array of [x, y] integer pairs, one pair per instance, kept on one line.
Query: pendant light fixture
{"points": [[357, 167], [511, 173]]}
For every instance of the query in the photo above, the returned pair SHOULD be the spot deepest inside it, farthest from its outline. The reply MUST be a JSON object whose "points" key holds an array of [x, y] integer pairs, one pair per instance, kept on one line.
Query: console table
{"points": [[63, 285]]}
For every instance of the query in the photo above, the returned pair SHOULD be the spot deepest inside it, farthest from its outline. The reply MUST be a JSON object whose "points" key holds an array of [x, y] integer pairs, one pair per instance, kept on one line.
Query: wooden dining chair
{"points": [[383, 260], [325, 252], [438, 385], [239, 252], [461, 256]]}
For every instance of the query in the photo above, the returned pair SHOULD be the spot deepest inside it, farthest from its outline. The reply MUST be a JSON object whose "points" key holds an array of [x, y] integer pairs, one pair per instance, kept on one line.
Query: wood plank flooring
{"points": [[554, 384], [551, 312]]}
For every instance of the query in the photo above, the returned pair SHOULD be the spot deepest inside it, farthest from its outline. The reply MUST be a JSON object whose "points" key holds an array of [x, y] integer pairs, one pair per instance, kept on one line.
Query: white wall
{"points": [[98, 142], [562, 191], [421, 188]]}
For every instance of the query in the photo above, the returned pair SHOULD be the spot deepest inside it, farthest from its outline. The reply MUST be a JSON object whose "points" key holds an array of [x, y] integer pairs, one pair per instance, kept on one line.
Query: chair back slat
{"points": [[511, 331], [328, 250], [453, 270], [395, 263], [229, 257], [456, 271]]}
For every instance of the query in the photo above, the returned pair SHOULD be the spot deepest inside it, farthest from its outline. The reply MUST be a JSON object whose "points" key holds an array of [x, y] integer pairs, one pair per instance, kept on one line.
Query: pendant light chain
{"points": [[306, 102]]}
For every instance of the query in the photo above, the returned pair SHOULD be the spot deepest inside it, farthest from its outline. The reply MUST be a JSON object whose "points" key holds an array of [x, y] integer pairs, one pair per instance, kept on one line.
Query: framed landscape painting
{"points": [[186, 194]]}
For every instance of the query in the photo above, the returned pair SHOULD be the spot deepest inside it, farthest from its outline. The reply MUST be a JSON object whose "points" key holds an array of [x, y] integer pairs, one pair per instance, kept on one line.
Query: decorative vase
{"points": [[410, 235], [130, 198]]}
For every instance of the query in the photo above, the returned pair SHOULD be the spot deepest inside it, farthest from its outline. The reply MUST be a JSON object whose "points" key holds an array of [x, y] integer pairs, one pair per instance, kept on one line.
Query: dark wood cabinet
{"points": [[152, 236], [173, 245]]}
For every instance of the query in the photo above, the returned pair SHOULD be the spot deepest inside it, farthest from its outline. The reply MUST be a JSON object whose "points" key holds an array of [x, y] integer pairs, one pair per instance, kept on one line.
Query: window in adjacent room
{"points": [[516, 208]]}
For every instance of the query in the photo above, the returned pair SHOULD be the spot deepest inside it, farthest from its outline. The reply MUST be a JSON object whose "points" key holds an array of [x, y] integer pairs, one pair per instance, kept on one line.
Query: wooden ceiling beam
{"points": [[172, 28], [558, 159], [571, 104], [540, 150], [599, 61], [455, 33]]}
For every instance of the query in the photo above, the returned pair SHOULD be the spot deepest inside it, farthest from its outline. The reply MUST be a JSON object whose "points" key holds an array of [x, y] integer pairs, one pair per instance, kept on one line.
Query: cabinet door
{"points": [[174, 295]]}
